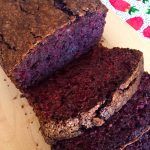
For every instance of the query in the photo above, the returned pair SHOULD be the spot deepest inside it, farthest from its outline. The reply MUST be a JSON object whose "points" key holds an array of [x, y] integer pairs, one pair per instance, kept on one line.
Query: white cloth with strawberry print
{"points": [[134, 12]]}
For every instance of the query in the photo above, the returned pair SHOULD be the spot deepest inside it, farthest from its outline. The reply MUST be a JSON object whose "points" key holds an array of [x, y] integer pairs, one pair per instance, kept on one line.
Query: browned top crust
{"points": [[24, 23]]}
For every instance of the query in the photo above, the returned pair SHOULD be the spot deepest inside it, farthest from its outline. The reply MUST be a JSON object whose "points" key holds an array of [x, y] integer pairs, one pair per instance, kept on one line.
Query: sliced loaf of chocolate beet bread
{"points": [[87, 92], [128, 129], [39, 37]]}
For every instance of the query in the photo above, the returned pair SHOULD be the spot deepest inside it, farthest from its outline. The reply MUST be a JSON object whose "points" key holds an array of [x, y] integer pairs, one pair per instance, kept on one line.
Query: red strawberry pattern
{"points": [[124, 6], [120, 5], [135, 22], [146, 32], [135, 12]]}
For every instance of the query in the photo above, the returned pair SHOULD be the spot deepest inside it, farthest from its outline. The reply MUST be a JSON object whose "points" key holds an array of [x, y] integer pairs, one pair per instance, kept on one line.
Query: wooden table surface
{"points": [[19, 127]]}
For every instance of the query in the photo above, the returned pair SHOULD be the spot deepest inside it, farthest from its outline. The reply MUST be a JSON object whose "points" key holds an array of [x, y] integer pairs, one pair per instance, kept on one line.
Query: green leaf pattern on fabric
{"points": [[133, 9]]}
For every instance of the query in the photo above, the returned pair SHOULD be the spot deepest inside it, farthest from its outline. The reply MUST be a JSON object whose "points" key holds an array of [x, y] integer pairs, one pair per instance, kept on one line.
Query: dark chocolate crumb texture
{"points": [[38, 38], [128, 129], [87, 92]]}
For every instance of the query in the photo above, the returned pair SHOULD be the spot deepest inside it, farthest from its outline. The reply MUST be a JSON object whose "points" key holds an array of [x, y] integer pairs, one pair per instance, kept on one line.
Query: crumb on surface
{"points": [[102, 40], [22, 96], [22, 106], [15, 97], [5, 80]]}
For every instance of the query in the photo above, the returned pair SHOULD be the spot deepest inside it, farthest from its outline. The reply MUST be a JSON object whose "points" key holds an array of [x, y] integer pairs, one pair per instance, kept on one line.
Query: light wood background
{"points": [[19, 128]]}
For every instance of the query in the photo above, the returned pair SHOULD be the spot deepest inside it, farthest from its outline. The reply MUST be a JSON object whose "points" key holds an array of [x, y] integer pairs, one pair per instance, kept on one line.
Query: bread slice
{"points": [[87, 92], [43, 36], [128, 129]]}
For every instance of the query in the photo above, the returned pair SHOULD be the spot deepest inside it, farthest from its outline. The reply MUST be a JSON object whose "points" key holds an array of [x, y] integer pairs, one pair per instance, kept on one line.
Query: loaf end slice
{"points": [[128, 129]]}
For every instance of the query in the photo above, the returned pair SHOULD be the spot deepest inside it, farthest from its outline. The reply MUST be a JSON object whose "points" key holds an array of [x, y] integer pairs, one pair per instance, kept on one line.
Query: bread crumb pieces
{"points": [[22, 106], [102, 40], [22, 96], [15, 98]]}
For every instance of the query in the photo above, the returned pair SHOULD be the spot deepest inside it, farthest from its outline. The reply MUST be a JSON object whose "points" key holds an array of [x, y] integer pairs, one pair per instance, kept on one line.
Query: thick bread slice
{"points": [[87, 92], [128, 129]]}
